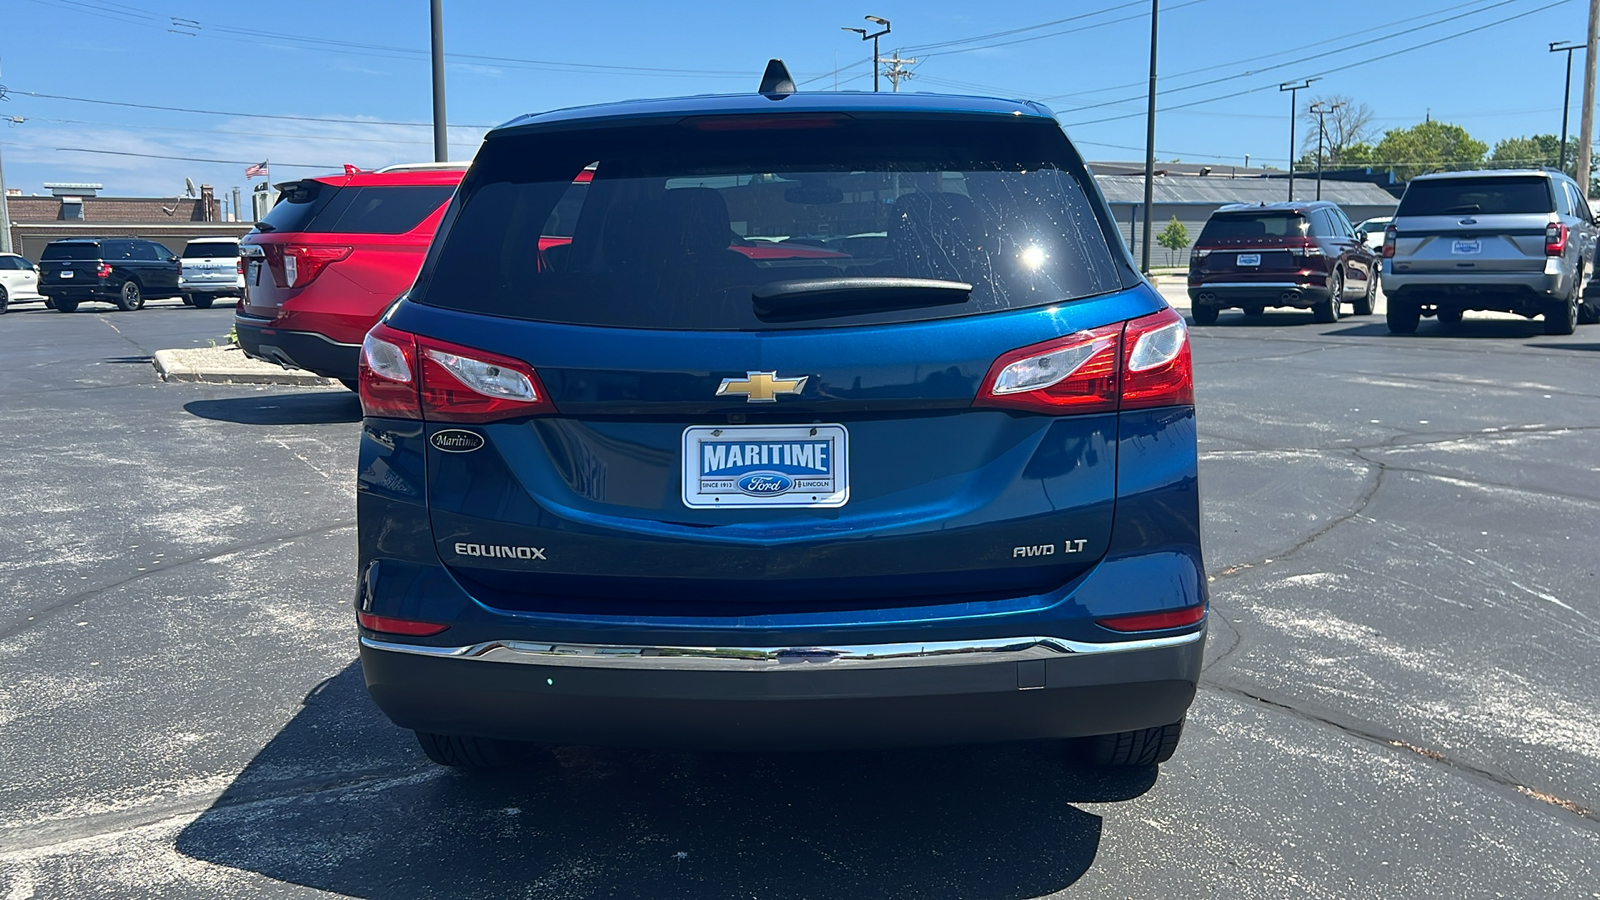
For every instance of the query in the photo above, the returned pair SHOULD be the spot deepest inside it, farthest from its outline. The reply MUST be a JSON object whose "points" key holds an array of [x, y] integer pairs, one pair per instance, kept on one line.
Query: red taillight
{"points": [[1157, 369], [409, 377], [1173, 618], [388, 374], [103, 270], [1388, 242], [1129, 365], [297, 265], [239, 266], [1555, 239], [1072, 374], [391, 625]]}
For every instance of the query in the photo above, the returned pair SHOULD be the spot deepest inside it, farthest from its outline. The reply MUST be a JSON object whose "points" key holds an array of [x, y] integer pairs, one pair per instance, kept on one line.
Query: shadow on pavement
{"points": [[1566, 346], [142, 360], [311, 408], [342, 801]]}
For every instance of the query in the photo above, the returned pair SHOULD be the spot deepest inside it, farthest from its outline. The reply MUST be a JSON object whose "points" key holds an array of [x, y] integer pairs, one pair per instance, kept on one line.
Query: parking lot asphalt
{"points": [[1400, 697]]}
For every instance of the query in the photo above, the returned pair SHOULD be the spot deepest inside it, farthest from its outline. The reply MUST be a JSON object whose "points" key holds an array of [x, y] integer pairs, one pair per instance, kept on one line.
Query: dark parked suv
{"points": [[639, 486], [120, 271], [1304, 255]]}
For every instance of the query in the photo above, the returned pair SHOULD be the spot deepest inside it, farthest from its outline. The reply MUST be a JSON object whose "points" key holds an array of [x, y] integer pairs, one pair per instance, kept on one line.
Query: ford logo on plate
{"points": [[765, 484], [455, 440]]}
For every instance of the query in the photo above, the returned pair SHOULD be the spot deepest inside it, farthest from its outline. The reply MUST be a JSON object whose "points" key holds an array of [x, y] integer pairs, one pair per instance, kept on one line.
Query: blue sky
{"points": [[364, 68]]}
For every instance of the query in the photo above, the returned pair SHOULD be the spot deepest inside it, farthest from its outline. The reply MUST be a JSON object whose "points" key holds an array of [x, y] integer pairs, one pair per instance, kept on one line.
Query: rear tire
{"points": [[131, 298], [463, 752], [1448, 316], [1204, 315], [1145, 747], [1327, 312], [201, 301], [188, 299], [1403, 316], [1363, 306], [5, 301], [62, 304], [1563, 318]]}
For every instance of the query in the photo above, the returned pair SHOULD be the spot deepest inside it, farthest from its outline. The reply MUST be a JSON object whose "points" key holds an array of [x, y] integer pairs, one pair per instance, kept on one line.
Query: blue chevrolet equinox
{"points": [[781, 420]]}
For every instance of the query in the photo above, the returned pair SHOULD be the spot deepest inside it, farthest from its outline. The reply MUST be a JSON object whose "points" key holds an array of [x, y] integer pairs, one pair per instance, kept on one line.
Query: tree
{"points": [[1174, 237], [1346, 126], [1428, 147], [1530, 152]]}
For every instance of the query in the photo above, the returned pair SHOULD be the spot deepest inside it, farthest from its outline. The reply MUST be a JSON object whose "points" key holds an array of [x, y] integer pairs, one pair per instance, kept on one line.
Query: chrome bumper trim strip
{"points": [[1275, 285], [755, 659]]}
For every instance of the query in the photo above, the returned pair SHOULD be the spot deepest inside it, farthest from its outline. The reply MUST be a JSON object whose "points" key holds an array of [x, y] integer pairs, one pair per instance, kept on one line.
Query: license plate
{"points": [[1249, 259], [758, 465], [1466, 247], [66, 274]]}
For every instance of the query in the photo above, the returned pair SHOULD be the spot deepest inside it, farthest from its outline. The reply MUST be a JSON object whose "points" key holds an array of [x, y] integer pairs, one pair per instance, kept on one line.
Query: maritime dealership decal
{"points": [[456, 440]]}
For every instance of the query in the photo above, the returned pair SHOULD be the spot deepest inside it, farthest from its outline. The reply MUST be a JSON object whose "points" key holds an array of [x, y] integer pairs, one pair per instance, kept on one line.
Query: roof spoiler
{"points": [[776, 82]]}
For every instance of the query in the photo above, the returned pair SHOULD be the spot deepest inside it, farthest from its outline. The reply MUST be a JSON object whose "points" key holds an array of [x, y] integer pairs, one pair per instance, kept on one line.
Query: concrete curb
{"points": [[226, 365]]}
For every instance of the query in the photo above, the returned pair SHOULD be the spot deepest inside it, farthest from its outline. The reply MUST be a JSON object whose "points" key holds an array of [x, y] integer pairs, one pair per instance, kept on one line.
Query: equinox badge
{"points": [[762, 387]]}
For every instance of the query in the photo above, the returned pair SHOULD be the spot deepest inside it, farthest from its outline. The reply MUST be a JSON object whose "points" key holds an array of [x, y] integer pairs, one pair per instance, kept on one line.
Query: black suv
{"points": [[120, 271]]}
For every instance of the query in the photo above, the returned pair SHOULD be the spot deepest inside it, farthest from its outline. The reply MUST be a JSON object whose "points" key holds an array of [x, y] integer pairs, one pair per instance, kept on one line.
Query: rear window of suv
{"points": [[214, 250], [1483, 195], [317, 208], [1242, 226], [675, 225], [71, 251]]}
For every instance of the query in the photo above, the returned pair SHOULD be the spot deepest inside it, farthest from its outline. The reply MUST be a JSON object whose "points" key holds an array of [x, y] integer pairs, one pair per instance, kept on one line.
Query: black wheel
{"points": [[62, 304], [1403, 316], [1363, 306], [1562, 317], [49, 303], [131, 298], [462, 752], [201, 301], [1328, 310], [1589, 309], [5, 300], [1449, 316], [1204, 315], [1145, 747], [1255, 309], [188, 300], [351, 383]]}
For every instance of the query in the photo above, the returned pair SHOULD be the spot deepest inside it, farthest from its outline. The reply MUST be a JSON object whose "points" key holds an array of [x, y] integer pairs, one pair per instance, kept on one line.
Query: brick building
{"points": [[77, 210]]}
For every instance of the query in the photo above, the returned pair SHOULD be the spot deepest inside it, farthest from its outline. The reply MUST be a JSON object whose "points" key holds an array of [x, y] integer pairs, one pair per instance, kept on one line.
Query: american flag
{"points": [[259, 168]]}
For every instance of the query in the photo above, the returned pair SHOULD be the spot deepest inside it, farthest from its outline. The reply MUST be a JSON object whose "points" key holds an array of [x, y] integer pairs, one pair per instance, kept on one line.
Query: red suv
{"points": [[326, 261], [1304, 255]]}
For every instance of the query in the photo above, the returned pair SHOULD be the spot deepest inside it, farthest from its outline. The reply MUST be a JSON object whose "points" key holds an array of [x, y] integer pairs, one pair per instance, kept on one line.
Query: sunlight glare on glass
{"points": [[1034, 256]]}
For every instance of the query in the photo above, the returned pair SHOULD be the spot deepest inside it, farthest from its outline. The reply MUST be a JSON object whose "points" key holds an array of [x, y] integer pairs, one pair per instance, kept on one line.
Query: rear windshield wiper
{"points": [[263, 227], [1462, 208], [815, 298]]}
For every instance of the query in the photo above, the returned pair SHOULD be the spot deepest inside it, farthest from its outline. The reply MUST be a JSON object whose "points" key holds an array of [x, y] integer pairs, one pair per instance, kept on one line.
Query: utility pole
{"points": [[441, 135], [1586, 119], [1320, 110], [5, 213], [1566, 95], [1294, 110], [1150, 144], [238, 211], [897, 71]]}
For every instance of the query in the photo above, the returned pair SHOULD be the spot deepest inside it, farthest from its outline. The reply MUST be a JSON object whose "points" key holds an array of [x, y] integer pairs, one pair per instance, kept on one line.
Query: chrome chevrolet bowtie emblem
{"points": [[761, 387]]}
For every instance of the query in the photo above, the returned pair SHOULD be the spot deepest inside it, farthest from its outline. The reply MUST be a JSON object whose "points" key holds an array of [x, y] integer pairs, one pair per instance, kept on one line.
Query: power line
{"points": [[1329, 71], [238, 162], [4, 92], [922, 48], [273, 134]]}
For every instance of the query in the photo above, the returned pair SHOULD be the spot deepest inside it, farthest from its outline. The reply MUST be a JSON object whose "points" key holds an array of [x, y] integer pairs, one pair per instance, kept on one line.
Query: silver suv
{"points": [[1511, 240]]}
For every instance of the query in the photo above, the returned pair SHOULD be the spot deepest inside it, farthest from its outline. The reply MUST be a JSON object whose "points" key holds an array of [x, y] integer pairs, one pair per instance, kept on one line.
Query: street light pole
{"points": [[1320, 110], [441, 137], [1294, 110], [865, 36], [1150, 144], [1566, 95]]}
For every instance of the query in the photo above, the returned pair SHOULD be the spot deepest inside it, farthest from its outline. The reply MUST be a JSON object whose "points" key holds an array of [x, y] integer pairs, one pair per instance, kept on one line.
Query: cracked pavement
{"points": [[1400, 695]]}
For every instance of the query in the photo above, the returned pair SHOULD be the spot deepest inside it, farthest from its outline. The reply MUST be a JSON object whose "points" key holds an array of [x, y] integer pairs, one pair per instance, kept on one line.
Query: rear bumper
{"points": [[786, 698], [1499, 288], [212, 287], [105, 292], [297, 349], [1223, 294]]}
